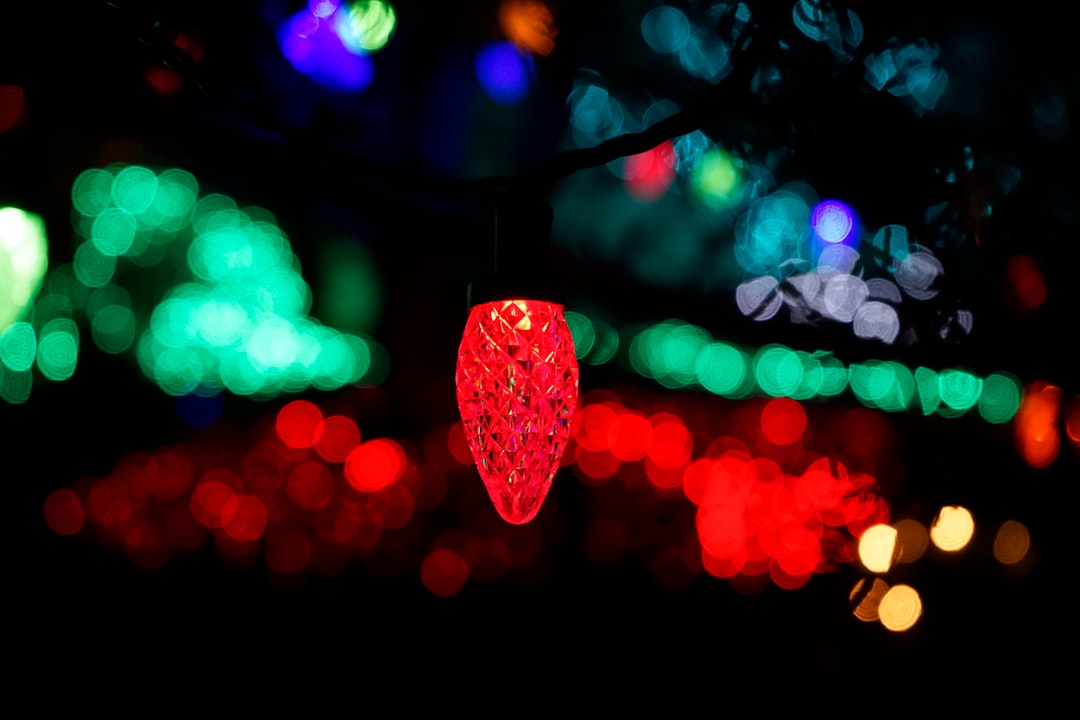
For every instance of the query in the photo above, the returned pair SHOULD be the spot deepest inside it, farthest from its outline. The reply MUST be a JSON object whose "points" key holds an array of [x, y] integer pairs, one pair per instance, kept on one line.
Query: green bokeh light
{"points": [[350, 288], [23, 260], [113, 231], [173, 201], [606, 344], [1000, 398], [92, 267], [716, 178], [671, 349], [58, 349], [834, 376], [778, 370], [113, 328], [134, 188], [92, 191], [723, 370], [581, 329], [18, 346], [813, 377], [929, 389], [49, 307], [368, 25], [886, 385], [15, 385], [959, 389]]}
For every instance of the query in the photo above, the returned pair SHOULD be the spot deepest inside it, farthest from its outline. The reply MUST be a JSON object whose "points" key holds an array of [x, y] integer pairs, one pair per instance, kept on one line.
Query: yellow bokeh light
{"points": [[912, 540], [1011, 543], [953, 528], [877, 548], [900, 608], [866, 607]]}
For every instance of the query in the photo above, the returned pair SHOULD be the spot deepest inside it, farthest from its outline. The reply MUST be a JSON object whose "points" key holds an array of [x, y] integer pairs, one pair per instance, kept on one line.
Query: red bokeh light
{"points": [[63, 512], [12, 98], [165, 80], [444, 573], [375, 464], [310, 485], [211, 504], [247, 518], [287, 550], [629, 436], [783, 421], [1026, 289], [591, 424], [648, 175], [337, 436], [299, 424]]}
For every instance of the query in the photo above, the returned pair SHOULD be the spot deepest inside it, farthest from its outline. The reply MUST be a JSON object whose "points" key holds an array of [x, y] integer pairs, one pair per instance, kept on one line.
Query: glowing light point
{"points": [[1011, 543], [953, 528], [314, 45], [504, 72], [366, 26], [528, 24], [517, 389], [833, 221], [23, 259], [716, 178], [900, 608], [878, 548]]}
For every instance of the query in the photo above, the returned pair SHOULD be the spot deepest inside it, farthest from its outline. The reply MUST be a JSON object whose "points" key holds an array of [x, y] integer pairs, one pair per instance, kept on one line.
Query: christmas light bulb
{"points": [[517, 390]]}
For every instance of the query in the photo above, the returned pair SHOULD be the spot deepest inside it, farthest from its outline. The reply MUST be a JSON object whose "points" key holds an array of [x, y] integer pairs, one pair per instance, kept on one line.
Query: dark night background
{"points": [[373, 166]]}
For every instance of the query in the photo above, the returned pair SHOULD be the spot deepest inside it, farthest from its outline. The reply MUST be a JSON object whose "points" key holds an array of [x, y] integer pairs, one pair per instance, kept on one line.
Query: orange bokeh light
{"points": [[953, 528], [867, 597], [912, 539], [1011, 543], [1036, 424], [1072, 421], [900, 608], [528, 24]]}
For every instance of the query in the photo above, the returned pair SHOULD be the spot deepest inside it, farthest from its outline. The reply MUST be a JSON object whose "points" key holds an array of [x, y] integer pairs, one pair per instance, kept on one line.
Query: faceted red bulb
{"points": [[517, 389]]}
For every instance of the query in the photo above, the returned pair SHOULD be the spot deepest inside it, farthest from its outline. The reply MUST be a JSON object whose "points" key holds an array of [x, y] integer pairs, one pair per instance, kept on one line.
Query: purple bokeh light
{"points": [[312, 45]]}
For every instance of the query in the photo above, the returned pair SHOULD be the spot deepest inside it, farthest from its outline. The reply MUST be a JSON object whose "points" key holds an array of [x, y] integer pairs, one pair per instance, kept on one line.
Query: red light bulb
{"points": [[517, 389]]}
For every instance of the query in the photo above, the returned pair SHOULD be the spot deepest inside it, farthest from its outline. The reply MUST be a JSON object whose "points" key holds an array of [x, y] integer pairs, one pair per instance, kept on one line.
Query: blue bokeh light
{"points": [[313, 46], [200, 409], [504, 72]]}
